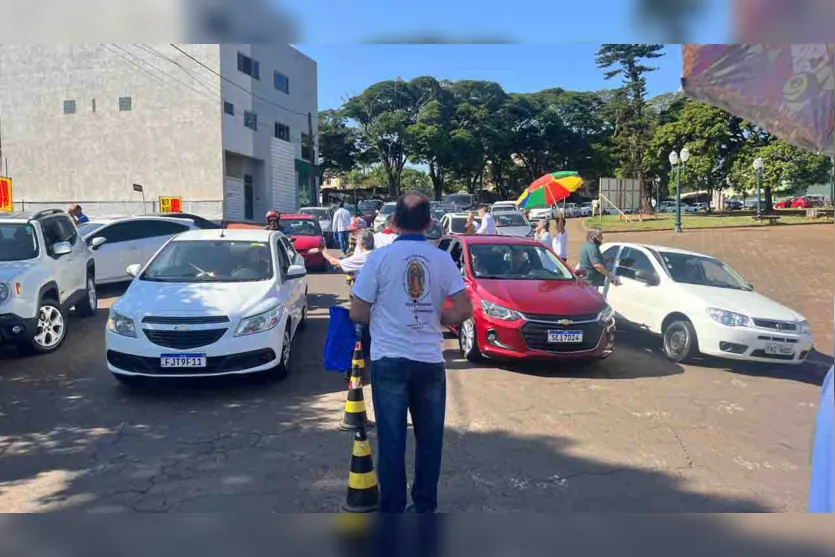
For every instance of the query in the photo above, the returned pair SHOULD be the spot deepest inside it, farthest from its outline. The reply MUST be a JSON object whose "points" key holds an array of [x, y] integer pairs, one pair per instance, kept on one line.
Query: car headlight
{"points": [[607, 313], [803, 327], [499, 312], [259, 323], [5, 292], [121, 325], [728, 318]]}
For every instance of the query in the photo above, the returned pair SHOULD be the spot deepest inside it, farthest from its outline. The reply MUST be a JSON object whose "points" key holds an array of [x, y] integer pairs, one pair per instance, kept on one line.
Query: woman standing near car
{"points": [[560, 242]]}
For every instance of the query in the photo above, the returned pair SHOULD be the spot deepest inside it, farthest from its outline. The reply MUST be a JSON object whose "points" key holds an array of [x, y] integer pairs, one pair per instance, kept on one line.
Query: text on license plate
{"points": [[182, 360], [779, 349], [565, 336]]}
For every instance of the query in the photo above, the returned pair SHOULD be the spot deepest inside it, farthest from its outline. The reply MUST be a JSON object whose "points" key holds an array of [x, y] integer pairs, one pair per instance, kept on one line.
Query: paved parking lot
{"points": [[633, 433]]}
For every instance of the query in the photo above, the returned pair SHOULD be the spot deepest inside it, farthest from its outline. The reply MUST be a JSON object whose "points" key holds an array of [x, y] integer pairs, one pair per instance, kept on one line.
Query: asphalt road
{"points": [[633, 433]]}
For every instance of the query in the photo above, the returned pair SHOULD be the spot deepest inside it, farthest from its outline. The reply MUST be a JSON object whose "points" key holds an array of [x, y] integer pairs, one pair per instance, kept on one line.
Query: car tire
{"points": [[282, 370], [468, 341], [89, 305], [680, 341], [51, 314], [303, 321]]}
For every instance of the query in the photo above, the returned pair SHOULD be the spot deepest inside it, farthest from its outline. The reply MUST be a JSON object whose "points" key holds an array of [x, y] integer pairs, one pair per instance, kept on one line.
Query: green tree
{"points": [[414, 179], [633, 126], [785, 167], [337, 145]]}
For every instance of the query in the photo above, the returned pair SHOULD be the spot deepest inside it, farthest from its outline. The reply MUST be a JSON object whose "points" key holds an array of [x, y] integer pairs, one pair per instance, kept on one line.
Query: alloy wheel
{"points": [[50, 327], [92, 295], [467, 336], [285, 350]]}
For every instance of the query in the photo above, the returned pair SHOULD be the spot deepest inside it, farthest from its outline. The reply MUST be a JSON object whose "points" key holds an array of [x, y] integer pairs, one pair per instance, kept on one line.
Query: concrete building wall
{"points": [[170, 141]]}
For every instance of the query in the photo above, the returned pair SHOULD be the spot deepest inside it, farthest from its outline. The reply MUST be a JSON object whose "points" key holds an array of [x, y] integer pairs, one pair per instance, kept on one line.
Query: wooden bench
{"points": [[769, 219]]}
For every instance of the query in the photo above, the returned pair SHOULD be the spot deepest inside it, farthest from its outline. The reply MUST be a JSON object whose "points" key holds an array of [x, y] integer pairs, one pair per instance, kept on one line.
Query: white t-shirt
{"points": [[341, 220], [355, 262], [544, 238], [560, 246], [488, 225], [407, 283], [382, 240]]}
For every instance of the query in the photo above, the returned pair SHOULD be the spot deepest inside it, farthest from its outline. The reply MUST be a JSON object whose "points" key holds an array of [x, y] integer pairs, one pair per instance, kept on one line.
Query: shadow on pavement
{"points": [[812, 373]]}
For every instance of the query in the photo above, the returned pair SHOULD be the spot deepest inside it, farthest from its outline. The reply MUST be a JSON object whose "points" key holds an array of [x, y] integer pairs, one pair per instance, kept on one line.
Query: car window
{"points": [[288, 245], [211, 261], [156, 228], [510, 219], [283, 259], [122, 232], [610, 252], [631, 261], [89, 227], [517, 262], [301, 227], [66, 230], [444, 244], [457, 252], [51, 232]]}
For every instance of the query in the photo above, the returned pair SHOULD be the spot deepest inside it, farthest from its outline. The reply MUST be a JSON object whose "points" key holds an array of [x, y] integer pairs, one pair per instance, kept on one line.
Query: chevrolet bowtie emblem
{"points": [[181, 328], [565, 322]]}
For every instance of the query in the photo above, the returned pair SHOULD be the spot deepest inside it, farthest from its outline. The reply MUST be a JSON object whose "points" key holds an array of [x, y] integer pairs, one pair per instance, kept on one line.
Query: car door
{"points": [[291, 291], [77, 267], [123, 247], [639, 292], [293, 255], [60, 264]]}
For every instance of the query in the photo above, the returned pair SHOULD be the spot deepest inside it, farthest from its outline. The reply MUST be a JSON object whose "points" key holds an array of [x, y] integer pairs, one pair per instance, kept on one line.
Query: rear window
{"points": [[302, 227], [388, 208], [510, 219]]}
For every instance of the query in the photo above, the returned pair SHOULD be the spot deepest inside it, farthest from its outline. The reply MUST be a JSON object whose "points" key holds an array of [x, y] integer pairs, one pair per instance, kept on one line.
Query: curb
{"points": [[745, 226]]}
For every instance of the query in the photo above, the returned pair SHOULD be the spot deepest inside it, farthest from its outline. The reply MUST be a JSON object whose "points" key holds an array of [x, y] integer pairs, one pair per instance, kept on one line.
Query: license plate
{"points": [[779, 350], [182, 360], [565, 336]]}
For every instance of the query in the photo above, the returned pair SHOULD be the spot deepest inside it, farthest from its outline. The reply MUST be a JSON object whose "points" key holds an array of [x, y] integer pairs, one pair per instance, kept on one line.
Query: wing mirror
{"points": [[296, 271], [133, 270], [96, 243], [647, 277], [61, 248]]}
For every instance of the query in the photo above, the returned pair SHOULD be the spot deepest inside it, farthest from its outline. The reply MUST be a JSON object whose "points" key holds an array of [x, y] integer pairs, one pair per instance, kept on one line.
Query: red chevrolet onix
{"points": [[527, 303], [307, 238]]}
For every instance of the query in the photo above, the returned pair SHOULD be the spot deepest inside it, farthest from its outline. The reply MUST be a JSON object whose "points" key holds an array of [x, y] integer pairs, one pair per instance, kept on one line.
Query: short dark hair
{"points": [[481, 206], [340, 203], [412, 212]]}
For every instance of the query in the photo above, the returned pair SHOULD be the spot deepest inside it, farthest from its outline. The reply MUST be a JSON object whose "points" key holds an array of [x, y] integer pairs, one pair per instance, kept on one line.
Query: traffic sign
{"points": [[170, 204], [6, 204]]}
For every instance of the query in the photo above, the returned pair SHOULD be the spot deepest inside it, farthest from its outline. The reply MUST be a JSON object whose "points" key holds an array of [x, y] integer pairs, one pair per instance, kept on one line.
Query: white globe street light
{"points": [[673, 158], [678, 161], [758, 167], [685, 155]]}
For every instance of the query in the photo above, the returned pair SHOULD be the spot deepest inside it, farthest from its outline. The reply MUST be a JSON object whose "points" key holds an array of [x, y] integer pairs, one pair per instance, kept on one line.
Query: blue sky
{"points": [[346, 70]]}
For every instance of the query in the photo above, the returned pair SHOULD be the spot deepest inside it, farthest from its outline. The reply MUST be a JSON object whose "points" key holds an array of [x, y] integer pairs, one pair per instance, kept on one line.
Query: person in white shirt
{"points": [[401, 292], [341, 222], [543, 234], [387, 235], [353, 264], [560, 241], [488, 223]]}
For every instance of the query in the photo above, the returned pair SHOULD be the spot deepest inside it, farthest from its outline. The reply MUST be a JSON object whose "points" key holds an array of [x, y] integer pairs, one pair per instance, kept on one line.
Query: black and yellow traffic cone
{"points": [[363, 494], [355, 413]]}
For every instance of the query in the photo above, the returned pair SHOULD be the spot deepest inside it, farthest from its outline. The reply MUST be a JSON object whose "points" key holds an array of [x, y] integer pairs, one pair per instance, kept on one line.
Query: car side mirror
{"points": [[647, 277], [133, 270], [96, 243], [61, 248], [295, 272]]}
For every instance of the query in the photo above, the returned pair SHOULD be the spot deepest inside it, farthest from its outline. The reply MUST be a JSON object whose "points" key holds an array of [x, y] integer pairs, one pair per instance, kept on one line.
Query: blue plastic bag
{"points": [[339, 343]]}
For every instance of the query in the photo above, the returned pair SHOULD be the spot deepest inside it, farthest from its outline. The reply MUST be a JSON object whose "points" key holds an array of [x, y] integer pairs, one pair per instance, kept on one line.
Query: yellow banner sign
{"points": [[6, 204], [170, 204]]}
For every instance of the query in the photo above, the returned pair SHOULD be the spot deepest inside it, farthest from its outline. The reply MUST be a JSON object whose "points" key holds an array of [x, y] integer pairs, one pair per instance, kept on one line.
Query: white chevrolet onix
{"points": [[209, 303]]}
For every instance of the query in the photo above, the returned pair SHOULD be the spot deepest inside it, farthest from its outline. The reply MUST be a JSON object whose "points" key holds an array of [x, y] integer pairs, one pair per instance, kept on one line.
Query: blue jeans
{"points": [[398, 384], [342, 238]]}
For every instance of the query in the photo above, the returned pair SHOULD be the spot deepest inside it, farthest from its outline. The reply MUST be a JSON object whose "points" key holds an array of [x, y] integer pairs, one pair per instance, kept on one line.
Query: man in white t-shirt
{"points": [[340, 224], [401, 292], [488, 223], [387, 235]]}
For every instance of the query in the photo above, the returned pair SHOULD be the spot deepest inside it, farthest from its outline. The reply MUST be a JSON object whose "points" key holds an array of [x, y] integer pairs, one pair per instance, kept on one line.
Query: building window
{"points": [[69, 107], [282, 131], [124, 104], [248, 201], [93, 103], [281, 82], [229, 108], [250, 120], [307, 151], [248, 66]]}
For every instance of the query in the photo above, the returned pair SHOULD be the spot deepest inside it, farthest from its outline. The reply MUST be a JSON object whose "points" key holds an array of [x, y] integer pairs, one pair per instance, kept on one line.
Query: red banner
{"points": [[6, 204]]}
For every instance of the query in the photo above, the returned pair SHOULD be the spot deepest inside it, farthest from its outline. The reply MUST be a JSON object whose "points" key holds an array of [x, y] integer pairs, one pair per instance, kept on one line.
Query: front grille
{"points": [[199, 320], [762, 354], [555, 318], [778, 339], [776, 325], [214, 365], [536, 335], [184, 339]]}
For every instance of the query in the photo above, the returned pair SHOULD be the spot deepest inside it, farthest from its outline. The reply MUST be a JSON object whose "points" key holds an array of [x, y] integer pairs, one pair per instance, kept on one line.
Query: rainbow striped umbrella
{"points": [[550, 189]]}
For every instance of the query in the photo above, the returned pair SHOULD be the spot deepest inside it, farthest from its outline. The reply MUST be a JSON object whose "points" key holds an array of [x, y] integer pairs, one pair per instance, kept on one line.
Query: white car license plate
{"points": [[182, 360], [779, 349], [565, 336]]}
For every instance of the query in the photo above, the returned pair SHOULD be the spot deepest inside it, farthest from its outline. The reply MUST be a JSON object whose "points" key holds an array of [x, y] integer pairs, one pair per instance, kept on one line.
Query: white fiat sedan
{"points": [[210, 302], [698, 304]]}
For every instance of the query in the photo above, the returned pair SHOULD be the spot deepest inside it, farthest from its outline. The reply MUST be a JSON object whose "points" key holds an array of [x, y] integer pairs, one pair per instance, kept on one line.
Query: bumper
{"points": [[507, 341], [749, 344], [228, 356], [14, 328]]}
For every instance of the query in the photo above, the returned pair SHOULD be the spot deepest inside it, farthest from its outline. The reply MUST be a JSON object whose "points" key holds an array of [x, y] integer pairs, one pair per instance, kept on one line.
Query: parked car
{"points": [[585, 210], [535, 310], [570, 210], [325, 218], [804, 202], [380, 220], [462, 201], [307, 239], [513, 224], [368, 210], [198, 221], [785, 203], [130, 240], [439, 209], [667, 206], [45, 270], [543, 213], [698, 304], [733, 205], [454, 223], [209, 303], [503, 207]]}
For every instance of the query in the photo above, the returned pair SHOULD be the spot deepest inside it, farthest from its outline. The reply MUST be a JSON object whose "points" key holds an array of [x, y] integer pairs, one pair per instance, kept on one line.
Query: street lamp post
{"points": [[678, 161], [758, 167]]}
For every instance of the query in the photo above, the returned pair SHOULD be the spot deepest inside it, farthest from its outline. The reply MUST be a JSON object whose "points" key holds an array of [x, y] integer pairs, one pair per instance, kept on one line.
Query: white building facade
{"points": [[230, 128]]}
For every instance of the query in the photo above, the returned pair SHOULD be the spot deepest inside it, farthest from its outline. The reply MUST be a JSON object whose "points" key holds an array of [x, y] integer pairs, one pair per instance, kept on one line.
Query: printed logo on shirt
{"points": [[417, 285]]}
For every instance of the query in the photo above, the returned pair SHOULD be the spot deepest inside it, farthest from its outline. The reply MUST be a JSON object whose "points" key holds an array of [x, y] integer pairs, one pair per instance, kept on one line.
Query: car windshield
{"points": [[388, 208], [367, 205], [458, 224], [517, 262], [211, 261], [499, 208], [434, 231], [18, 242], [511, 219], [702, 271], [462, 199], [318, 213], [89, 227], [301, 227]]}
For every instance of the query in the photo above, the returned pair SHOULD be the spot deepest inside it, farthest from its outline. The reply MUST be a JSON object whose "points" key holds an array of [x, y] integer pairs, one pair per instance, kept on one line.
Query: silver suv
{"points": [[46, 268]]}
